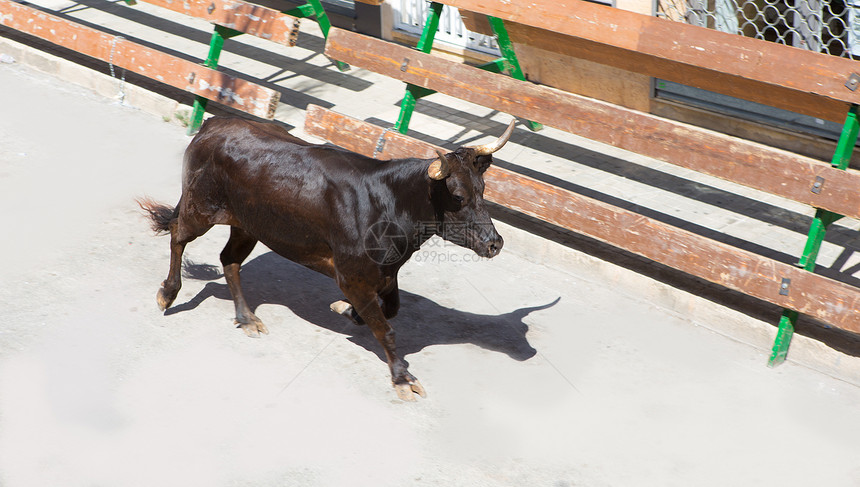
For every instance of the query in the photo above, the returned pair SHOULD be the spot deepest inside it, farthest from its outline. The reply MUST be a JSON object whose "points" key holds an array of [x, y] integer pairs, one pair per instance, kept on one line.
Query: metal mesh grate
{"points": [[831, 27]]}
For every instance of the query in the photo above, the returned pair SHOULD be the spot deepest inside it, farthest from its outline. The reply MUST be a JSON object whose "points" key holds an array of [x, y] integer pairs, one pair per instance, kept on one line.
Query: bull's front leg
{"points": [[390, 305], [366, 305]]}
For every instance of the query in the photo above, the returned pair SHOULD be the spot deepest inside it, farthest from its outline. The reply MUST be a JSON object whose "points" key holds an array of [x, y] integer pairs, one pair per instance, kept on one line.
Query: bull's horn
{"points": [[439, 168], [487, 149]]}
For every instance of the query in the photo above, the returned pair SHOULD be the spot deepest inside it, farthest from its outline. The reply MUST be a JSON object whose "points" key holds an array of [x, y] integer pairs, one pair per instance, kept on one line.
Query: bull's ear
{"points": [[482, 163], [439, 169]]}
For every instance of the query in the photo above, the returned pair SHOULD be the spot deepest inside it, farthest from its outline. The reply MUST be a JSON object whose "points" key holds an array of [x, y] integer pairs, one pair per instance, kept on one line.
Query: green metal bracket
{"points": [[498, 66], [302, 11], [817, 230], [506, 64]]}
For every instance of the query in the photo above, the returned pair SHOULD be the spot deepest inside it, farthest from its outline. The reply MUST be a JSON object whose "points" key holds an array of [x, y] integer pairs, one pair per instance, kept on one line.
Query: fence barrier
{"points": [[171, 70], [235, 17], [803, 81]]}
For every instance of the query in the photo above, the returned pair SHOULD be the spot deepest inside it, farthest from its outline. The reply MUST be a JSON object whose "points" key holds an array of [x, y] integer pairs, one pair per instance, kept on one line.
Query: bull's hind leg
{"points": [[238, 249], [182, 231]]}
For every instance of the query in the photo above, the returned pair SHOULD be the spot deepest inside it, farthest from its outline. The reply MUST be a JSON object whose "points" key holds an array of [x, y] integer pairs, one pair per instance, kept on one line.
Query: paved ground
{"points": [[537, 375]]}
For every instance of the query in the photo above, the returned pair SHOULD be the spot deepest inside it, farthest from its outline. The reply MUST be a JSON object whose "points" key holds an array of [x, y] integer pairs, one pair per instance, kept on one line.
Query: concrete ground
{"points": [[542, 368]]}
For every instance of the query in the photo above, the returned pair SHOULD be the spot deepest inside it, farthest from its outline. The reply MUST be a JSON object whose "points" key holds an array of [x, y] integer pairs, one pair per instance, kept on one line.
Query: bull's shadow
{"points": [[271, 279]]}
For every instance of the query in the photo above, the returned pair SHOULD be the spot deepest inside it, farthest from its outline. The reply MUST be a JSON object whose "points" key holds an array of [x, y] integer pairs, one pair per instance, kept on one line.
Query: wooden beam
{"points": [[244, 17], [811, 294], [754, 165], [765, 72], [186, 75]]}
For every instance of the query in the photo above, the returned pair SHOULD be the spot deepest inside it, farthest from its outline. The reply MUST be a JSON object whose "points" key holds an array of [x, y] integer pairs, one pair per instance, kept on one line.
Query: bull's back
{"points": [[285, 192]]}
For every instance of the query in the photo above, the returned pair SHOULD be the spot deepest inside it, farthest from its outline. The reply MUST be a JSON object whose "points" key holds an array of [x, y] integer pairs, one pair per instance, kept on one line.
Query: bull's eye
{"points": [[458, 199]]}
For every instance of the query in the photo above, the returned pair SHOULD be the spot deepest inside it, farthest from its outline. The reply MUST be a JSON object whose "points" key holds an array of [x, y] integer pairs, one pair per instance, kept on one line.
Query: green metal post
{"points": [[322, 17], [509, 57], [817, 230], [216, 44], [315, 9], [783, 337], [425, 44], [428, 35], [847, 140], [506, 64]]}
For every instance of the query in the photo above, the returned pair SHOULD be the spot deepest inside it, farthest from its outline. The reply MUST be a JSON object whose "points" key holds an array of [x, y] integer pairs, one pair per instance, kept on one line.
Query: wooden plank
{"points": [[811, 294], [754, 165], [244, 17], [186, 75], [760, 71]]}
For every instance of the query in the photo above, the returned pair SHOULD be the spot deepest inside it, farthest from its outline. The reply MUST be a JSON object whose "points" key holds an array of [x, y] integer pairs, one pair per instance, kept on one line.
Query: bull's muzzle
{"points": [[490, 247]]}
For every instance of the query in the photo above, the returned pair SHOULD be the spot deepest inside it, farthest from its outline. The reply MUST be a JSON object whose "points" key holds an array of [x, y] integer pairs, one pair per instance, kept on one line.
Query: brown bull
{"points": [[350, 217]]}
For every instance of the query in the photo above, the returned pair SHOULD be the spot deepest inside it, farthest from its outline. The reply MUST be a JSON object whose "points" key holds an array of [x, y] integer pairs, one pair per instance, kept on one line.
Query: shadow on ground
{"points": [[271, 279], [835, 338]]}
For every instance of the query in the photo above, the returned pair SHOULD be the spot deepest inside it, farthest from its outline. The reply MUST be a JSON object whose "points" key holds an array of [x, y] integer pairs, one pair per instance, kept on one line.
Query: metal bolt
{"points": [[853, 82], [784, 285], [816, 187]]}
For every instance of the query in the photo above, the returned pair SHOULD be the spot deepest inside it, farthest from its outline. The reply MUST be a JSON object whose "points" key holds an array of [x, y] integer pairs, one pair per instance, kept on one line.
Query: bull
{"points": [[347, 216]]}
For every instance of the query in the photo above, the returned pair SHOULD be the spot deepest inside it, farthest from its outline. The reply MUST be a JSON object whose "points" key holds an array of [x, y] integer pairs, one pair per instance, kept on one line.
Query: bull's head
{"points": [[458, 195]]}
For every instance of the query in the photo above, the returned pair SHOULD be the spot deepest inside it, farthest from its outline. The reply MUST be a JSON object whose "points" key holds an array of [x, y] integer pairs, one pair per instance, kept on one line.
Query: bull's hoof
{"points": [[253, 327], [344, 308], [164, 300], [407, 390]]}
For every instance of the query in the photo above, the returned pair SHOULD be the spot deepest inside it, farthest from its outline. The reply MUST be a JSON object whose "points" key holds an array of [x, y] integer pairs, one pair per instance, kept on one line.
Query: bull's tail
{"points": [[159, 214]]}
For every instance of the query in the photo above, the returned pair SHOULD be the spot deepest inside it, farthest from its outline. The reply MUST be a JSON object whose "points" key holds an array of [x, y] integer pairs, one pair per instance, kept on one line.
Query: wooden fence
{"points": [[171, 70], [231, 17], [781, 76]]}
